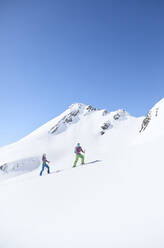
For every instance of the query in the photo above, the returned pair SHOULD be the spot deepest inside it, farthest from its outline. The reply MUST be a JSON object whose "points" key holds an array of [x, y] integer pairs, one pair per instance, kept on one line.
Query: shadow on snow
{"points": [[92, 162]]}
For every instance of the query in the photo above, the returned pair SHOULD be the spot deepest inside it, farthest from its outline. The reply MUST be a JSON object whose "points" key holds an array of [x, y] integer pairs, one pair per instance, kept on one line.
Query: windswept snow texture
{"points": [[114, 200], [18, 167]]}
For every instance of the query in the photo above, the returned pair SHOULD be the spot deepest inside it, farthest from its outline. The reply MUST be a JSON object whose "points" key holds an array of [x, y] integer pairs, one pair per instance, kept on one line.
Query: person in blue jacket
{"points": [[44, 164]]}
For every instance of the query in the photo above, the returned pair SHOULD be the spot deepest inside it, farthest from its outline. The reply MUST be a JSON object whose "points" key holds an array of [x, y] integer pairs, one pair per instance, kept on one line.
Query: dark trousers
{"points": [[44, 165]]}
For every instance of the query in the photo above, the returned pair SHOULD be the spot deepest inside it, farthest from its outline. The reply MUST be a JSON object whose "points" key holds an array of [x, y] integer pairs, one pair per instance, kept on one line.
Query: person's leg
{"points": [[82, 158], [42, 170], [77, 158], [48, 168]]}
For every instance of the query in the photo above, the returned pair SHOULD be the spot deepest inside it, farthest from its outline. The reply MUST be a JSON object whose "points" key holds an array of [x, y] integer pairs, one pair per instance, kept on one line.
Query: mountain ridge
{"points": [[82, 123]]}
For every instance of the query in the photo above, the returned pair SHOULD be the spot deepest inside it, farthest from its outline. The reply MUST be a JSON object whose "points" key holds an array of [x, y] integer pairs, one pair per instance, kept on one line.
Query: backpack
{"points": [[43, 158]]}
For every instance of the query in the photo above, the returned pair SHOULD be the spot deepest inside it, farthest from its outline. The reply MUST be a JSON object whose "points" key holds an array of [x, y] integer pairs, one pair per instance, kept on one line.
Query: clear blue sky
{"points": [[108, 53]]}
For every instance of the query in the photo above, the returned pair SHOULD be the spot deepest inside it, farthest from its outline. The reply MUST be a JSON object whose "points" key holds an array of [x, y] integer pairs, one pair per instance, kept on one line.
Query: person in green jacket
{"points": [[78, 151]]}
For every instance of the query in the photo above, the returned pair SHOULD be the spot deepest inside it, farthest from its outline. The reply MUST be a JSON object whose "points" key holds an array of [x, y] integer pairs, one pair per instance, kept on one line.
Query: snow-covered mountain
{"points": [[114, 200], [79, 123]]}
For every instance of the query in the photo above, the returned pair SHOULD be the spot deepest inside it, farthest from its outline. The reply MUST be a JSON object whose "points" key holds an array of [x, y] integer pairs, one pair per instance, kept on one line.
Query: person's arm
{"points": [[82, 150]]}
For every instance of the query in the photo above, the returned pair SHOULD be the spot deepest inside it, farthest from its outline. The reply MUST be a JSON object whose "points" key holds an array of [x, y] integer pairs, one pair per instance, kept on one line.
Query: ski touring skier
{"points": [[44, 164], [78, 151]]}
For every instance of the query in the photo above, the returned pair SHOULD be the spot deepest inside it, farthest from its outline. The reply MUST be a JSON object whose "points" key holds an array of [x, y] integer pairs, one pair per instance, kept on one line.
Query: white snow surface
{"points": [[114, 200]]}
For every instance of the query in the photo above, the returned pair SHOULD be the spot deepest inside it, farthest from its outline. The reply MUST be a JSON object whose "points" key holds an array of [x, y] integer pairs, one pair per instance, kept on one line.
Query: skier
{"points": [[78, 151], [44, 164]]}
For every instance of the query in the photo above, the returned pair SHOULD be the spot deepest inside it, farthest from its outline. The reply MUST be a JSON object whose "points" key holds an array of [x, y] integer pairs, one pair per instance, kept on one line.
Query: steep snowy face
{"points": [[78, 111], [153, 124], [112, 119], [72, 115]]}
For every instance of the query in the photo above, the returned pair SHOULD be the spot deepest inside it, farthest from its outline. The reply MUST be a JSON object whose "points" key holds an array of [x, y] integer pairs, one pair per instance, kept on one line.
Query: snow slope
{"points": [[79, 123], [113, 201]]}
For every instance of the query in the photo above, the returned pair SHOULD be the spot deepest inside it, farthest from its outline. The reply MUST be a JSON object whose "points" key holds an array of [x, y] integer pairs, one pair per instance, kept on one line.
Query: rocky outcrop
{"points": [[89, 108], [68, 119], [76, 110], [21, 166], [105, 112], [3, 167], [116, 116], [121, 114], [146, 121], [105, 126]]}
